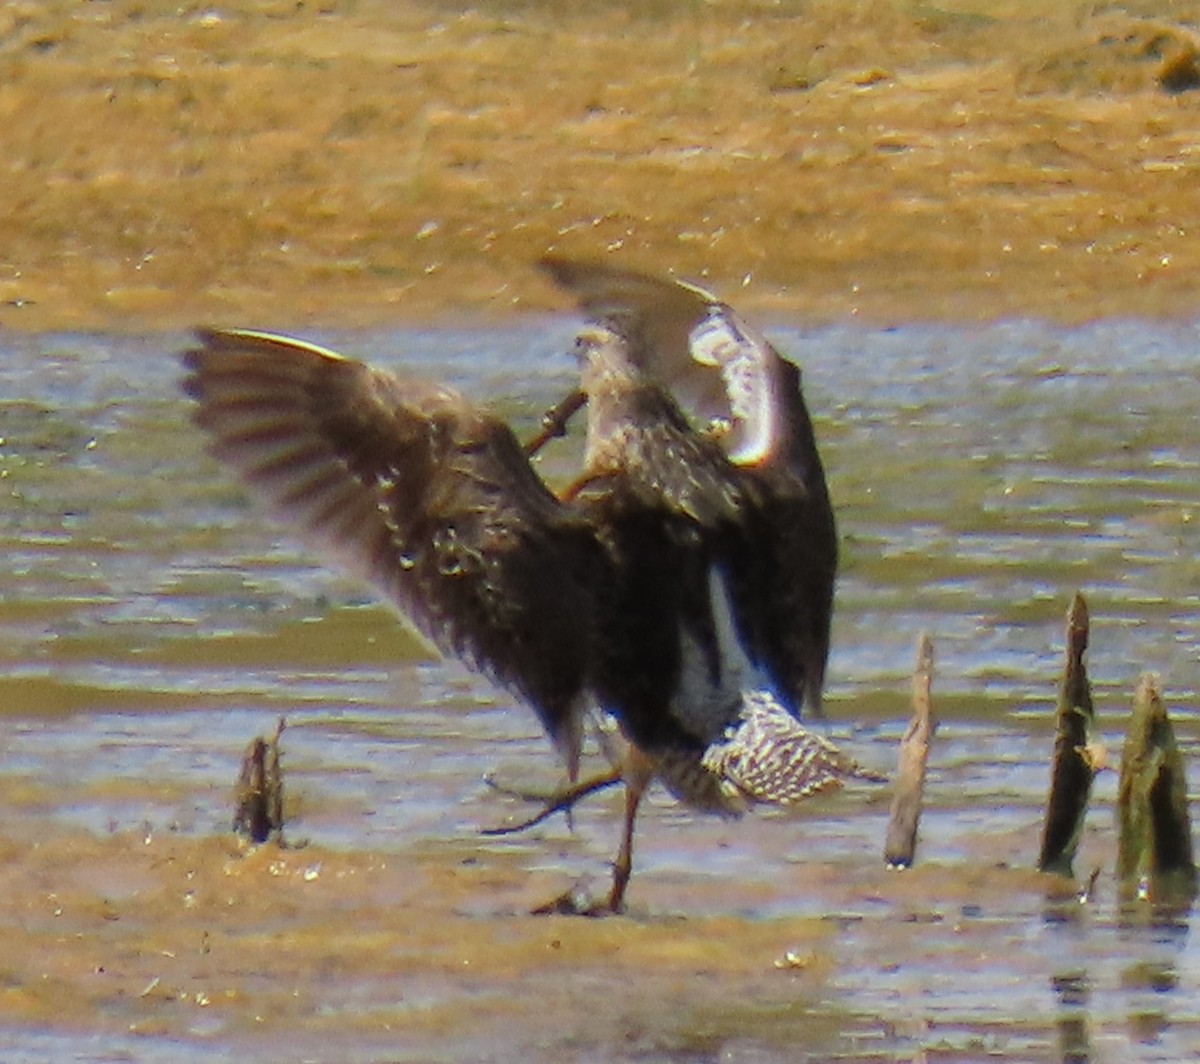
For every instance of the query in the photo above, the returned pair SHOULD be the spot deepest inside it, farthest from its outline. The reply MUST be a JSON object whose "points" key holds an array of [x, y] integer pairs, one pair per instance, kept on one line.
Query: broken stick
{"points": [[258, 796], [1154, 844], [1076, 756], [901, 840]]}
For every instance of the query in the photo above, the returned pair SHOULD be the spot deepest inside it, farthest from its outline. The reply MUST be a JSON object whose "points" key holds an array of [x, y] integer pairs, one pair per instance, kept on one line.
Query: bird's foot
{"points": [[563, 800], [542, 797], [577, 902]]}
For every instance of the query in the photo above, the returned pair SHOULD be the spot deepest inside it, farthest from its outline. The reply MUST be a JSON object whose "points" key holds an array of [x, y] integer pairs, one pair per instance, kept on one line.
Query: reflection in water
{"points": [[1149, 1015], [151, 623], [1149, 987], [1072, 991]]}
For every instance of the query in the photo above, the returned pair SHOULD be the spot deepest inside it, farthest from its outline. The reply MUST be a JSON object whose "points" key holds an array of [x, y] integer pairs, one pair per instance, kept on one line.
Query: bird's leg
{"points": [[561, 801], [576, 486], [623, 865], [554, 421], [638, 774]]}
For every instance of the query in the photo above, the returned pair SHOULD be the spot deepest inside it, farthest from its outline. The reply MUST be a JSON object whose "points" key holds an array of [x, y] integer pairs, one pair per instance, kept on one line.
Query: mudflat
{"points": [[288, 164], [280, 163]]}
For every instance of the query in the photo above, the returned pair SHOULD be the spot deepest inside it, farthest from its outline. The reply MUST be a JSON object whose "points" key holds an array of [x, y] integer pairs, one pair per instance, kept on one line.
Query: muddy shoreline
{"points": [[289, 165], [353, 165]]}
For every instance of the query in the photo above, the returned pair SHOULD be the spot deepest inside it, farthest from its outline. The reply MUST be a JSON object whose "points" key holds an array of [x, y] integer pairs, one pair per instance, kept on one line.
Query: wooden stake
{"points": [[258, 797], [1076, 757], [901, 841], [1154, 845]]}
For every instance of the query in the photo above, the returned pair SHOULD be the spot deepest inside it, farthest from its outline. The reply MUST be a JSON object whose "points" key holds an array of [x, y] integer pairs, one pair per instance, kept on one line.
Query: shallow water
{"points": [[151, 623]]}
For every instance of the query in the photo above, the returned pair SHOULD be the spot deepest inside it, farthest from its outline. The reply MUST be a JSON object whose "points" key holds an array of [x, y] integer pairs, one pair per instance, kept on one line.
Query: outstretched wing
{"points": [[718, 367], [417, 491]]}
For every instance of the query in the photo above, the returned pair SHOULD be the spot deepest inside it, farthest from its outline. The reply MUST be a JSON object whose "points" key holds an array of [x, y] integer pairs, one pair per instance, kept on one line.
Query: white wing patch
{"points": [[705, 709], [745, 359]]}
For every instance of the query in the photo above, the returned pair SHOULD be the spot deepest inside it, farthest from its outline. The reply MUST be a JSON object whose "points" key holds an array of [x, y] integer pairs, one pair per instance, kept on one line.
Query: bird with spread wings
{"points": [[683, 583], [739, 389]]}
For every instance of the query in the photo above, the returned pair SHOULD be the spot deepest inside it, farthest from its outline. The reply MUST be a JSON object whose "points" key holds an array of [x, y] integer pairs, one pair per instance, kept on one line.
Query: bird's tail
{"points": [[768, 756]]}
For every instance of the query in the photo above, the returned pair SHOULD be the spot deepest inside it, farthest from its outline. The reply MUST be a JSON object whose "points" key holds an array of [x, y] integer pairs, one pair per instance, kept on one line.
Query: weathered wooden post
{"points": [[258, 797], [1076, 756], [1154, 845], [901, 841]]}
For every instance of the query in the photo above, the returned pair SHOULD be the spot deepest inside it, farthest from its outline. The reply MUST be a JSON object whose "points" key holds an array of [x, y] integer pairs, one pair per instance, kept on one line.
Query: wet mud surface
{"points": [[334, 168], [153, 624]]}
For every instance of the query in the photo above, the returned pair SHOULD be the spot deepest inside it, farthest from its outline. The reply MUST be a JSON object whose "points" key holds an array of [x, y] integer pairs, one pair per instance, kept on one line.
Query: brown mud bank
{"points": [[426, 954], [283, 163]]}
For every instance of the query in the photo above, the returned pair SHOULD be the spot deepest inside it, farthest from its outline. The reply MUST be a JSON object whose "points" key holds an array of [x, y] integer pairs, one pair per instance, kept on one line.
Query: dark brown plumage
{"points": [[741, 391], [638, 592], [676, 659], [420, 493]]}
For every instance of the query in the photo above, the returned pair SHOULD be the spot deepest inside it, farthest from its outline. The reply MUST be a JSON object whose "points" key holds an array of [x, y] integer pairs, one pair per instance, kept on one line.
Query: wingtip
{"points": [[566, 272], [206, 340], [202, 339], [213, 339], [702, 293]]}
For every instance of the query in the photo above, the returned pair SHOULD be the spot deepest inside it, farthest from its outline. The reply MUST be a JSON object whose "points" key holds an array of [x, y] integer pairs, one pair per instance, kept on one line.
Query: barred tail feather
{"points": [[768, 756]]}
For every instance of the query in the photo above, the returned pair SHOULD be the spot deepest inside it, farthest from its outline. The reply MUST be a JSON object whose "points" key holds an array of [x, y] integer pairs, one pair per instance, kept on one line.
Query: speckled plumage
{"points": [[652, 588], [768, 756], [428, 498], [742, 393]]}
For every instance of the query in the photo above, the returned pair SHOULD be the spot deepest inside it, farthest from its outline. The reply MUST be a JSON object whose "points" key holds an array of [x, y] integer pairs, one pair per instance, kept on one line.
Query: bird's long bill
{"points": [[555, 420]]}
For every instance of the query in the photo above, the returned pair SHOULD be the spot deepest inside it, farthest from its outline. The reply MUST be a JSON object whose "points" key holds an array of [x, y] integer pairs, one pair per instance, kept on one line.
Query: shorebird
{"points": [[738, 389], [626, 593], [679, 619]]}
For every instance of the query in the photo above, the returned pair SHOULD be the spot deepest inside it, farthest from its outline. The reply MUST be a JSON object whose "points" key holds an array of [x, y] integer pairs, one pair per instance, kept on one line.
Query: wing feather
{"points": [[718, 367], [417, 491]]}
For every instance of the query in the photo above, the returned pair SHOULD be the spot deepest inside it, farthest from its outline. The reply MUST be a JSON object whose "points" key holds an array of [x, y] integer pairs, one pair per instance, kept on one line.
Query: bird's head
{"points": [[605, 361], [607, 376]]}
